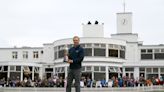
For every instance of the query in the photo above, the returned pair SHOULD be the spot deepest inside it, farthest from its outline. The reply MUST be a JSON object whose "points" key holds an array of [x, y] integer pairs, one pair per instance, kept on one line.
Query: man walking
{"points": [[75, 58]]}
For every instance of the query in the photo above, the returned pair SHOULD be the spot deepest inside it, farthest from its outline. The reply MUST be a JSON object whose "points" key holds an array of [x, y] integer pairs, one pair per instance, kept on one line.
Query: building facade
{"points": [[120, 55]]}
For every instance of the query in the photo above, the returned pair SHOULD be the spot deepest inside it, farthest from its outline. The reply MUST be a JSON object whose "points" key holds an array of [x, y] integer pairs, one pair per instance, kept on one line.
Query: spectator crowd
{"points": [[85, 82]]}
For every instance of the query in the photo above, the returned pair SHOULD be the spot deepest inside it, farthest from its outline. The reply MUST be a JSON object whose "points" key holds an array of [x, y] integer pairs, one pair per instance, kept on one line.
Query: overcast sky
{"points": [[34, 22]]}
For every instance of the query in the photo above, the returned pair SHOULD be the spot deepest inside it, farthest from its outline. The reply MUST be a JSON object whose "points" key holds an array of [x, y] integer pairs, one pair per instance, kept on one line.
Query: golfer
{"points": [[75, 58]]}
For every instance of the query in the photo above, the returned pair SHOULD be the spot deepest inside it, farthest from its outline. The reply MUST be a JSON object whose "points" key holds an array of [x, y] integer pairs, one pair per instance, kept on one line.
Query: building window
{"points": [[103, 45], [129, 69], [148, 70], [1, 68], [48, 69], [110, 46], [62, 69], [96, 68], [162, 50], [142, 69], [149, 51], [102, 68], [99, 52], [155, 70], [25, 54], [36, 70], [12, 68], [88, 68], [146, 56], [61, 53], [96, 45], [122, 54], [89, 45], [143, 50], [35, 54], [115, 46], [88, 51], [162, 70], [59, 70], [113, 53], [61, 49], [112, 69], [15, 68], [55, 52], [18, 68], [118, 69], [156, 50], [122, 47], [159, 55], [56, 55], [5, 68], [14, 55]]}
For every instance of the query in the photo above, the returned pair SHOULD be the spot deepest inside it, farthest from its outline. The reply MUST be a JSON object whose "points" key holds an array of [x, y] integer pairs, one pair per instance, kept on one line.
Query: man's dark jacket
{"points": [[77, 55]]}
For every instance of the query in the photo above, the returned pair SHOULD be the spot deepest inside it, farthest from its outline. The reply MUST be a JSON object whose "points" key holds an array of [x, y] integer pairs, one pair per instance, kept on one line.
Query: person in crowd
{"points": [[2, 82], [120, 82], [89, 82]]}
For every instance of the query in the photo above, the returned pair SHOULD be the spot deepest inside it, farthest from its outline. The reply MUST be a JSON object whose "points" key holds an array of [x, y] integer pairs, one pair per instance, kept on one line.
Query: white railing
{"points": [[124, 89]]}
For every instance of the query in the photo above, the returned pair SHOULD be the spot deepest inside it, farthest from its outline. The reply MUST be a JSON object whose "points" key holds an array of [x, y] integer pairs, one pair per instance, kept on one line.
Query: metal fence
{"points": [[125, 89]]}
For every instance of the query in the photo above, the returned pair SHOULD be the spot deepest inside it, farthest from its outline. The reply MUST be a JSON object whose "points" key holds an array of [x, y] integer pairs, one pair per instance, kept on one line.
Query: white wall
{"points": [[6, 54], [127, 37], [95, 30], [48, 53], [127, 27], [91, 40], [132, 52]]}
